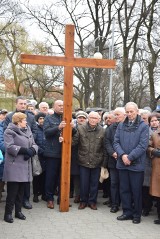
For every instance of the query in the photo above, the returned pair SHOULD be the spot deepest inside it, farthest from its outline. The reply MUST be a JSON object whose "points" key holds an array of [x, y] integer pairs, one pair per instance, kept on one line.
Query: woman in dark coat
{"points": [[39, 181], [20, 147]]}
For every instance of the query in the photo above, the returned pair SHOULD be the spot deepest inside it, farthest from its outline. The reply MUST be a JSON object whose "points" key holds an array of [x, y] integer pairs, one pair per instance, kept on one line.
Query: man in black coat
{"points": [[53, 126], [21, 106], [119, 114]]}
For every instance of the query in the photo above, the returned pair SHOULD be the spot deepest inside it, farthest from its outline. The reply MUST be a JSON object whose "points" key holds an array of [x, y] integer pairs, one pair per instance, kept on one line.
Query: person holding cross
{"points": [[53, 126]]}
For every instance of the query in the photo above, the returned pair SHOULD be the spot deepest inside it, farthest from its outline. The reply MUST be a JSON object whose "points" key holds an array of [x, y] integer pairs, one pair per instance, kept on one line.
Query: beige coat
{"points": [[155, 175]]}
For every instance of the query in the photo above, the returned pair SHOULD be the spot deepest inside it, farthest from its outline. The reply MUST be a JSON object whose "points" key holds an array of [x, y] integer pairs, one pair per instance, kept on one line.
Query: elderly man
{"points": [[90, 140], [119, 114], [81, 118], [43, 107], [52, 127], [130, 144]]}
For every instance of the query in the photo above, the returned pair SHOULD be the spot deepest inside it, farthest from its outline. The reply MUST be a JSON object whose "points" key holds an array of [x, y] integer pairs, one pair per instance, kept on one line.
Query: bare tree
{"points": [[9, 13], [131, 16], [153, 35], [92, 26]]}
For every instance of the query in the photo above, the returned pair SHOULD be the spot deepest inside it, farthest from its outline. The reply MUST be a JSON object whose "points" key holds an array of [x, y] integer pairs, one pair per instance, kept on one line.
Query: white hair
{"points": [[43, 104], [120, 109], [144, 112], [131, 104], [105, 115]]}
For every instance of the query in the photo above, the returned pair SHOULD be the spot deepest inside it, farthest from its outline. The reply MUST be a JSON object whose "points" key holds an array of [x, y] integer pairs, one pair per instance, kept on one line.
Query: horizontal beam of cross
{"points": [[65, 61]]}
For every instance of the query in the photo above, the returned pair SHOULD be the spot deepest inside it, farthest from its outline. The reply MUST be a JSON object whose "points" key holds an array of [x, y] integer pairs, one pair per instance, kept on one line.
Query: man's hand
{"points": [[125, 160], [62, 125], [114, 155]]}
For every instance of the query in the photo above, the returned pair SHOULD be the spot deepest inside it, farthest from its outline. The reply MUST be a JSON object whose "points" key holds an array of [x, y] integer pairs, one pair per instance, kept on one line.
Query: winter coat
{"points": [[30, 121], [109, 139], [132, 140], [155, 175], [51, 131], [1, 137], [148, 166], [90, 145], [2, 148], [40, 141], [74, 155], [16, 169]]}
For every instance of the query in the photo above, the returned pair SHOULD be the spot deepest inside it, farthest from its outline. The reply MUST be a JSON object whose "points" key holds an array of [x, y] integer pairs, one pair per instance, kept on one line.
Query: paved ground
{"points": [[44, 223]]}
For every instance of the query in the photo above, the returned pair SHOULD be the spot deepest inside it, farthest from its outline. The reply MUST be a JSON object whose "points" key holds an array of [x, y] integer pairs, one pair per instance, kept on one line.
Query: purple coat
{"points": [[16, 169]]}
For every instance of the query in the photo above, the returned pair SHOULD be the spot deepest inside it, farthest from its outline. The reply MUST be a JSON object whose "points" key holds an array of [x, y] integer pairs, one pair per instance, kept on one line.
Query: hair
{"points": [[120, 109], [20, 98], [43, 103], [145, 112], [18, 117], [133, 104], [105, 115], [157, 115]]}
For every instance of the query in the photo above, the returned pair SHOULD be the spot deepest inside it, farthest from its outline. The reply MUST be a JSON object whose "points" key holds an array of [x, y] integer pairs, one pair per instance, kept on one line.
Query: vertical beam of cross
{"points": [[67, 117]]}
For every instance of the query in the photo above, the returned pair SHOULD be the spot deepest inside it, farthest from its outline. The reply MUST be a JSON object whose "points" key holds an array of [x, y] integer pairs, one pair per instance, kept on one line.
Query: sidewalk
{"points": [[44, 223]]}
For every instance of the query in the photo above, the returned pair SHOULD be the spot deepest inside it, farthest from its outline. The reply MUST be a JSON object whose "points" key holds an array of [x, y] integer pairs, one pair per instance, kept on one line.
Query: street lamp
{"points": [[111, 70], [98, 55]]}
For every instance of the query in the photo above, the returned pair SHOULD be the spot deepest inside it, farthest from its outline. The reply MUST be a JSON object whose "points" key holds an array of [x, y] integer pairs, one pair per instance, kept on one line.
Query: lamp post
{"points": [[98, 55], [111, 71]]}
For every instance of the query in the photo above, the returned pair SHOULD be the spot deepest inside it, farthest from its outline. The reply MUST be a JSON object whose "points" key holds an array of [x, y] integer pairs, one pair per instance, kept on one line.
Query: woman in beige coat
{"points": [[154, 151]]}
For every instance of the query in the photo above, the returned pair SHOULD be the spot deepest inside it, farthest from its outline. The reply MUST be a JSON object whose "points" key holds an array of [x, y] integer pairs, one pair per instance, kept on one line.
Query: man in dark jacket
{"points": [[52, 127], [119, 114], [90, 140], [21, 106], [130, 144]]}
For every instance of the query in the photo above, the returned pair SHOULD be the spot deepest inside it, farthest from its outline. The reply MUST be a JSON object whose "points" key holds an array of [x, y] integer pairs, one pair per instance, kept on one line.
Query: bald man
{"points": [[53, 126], [90, 140]]}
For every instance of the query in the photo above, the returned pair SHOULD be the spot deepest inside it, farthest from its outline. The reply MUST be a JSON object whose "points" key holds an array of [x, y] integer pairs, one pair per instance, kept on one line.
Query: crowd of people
{"points": [[126, 141]]}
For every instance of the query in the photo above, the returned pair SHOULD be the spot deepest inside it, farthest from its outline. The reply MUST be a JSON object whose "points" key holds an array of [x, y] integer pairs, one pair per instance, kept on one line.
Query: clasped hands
{"points": [[27, 152], [125, 159]]}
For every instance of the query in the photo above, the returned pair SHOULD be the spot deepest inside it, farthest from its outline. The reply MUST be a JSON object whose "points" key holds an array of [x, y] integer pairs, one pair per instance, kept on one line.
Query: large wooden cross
{"points": [[68, 61]]}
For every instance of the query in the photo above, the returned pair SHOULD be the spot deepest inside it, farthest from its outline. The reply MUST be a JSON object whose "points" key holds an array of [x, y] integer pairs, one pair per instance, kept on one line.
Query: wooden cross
{"points": [[68, 61]]}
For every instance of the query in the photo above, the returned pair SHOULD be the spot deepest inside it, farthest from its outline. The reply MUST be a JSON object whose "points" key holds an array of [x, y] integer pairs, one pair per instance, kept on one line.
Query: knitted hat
{"points": [[40, 114], [3, 111]]}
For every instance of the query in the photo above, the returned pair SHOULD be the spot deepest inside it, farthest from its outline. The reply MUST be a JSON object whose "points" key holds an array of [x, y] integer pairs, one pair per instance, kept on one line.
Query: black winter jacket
{"points": [[51, 131], [109, 139]]}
